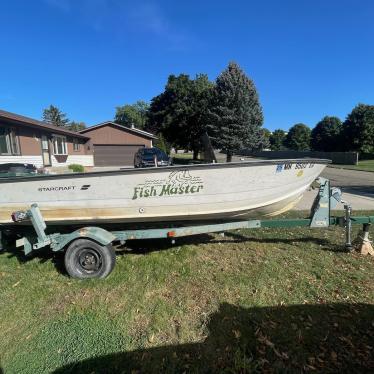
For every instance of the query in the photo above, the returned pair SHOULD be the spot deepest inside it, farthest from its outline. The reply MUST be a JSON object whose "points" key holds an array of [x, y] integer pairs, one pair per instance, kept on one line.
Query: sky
{"points": [[307, 59]]}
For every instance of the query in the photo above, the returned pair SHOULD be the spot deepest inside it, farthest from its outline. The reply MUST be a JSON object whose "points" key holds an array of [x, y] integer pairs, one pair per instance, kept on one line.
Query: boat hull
{"points": [[196, 192]]}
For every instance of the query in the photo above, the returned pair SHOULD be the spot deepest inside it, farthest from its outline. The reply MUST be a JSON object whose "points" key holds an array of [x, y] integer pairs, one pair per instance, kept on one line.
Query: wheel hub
{"points": [[90, 260]]}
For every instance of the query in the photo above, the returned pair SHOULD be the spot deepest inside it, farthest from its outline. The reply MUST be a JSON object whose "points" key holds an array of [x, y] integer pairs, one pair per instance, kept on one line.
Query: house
{"points": [[26, 140], [116, 145]]}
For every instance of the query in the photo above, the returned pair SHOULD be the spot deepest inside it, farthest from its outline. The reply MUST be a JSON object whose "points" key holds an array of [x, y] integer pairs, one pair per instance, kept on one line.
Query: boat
{"points": [[203, 192]]}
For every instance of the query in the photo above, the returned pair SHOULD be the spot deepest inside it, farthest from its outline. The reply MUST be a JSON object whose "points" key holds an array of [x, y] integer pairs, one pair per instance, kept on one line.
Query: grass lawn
{"points": [[184, 156], [366, 165], [254, 300]]}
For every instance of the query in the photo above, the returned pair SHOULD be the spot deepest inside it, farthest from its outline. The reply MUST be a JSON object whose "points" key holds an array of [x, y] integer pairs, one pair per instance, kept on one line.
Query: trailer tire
{"points": [[7, 240], [85, 258]]}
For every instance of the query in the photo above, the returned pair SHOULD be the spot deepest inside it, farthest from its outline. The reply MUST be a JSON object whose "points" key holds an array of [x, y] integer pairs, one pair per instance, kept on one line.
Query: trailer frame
{"points": [[326, 200]]}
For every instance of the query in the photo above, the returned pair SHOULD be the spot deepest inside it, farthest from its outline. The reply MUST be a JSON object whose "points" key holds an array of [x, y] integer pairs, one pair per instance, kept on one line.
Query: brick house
{"points": [[116, 145], [26, 140]]}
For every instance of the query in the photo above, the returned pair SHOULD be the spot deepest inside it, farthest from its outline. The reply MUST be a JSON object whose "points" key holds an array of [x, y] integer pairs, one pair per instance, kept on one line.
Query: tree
{"points": [[236, 114], [277, 140], [298, 138], [358, 129], [55, 116], [326, 135], [266, 137], [162, 144], [264, 143], [76, 126], [132, 114], [179, 113]]}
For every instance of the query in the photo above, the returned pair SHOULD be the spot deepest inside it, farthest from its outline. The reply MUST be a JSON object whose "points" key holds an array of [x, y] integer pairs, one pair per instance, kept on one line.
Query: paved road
{"points": [[357, 187], [351, 181]]}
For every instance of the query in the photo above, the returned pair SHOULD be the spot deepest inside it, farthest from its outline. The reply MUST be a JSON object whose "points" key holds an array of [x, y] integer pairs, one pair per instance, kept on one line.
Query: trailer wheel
{"points": [[85, 258], [7, 239]]}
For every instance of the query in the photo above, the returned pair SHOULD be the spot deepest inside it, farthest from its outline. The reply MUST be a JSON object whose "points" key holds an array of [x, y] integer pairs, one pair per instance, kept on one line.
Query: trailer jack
{"points": [[362, 243]]}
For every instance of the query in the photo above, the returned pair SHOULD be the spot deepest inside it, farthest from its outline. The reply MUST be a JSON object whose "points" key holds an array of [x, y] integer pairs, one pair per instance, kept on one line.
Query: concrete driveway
{"points": [[357, 187]]}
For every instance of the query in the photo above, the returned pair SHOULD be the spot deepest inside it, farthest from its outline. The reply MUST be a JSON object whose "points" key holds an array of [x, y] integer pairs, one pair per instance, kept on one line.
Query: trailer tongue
{"points": [[90, 254]]}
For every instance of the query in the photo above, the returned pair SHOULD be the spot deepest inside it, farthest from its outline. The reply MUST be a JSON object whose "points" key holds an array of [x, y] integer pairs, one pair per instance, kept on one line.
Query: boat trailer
{"points": [[89, 252]]}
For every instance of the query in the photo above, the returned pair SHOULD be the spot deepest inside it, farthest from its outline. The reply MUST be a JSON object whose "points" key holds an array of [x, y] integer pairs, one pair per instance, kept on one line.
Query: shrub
{"points": [[76, 168]]}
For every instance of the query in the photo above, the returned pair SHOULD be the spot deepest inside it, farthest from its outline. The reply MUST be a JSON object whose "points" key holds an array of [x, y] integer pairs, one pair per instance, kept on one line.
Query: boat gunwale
{"points": [[162, 169]]}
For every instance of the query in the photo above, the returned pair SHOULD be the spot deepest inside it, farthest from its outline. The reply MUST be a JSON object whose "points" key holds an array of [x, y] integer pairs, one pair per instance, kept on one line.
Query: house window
{"points": [[8, 142], [45, 145], [59, 145], [76, 145]]}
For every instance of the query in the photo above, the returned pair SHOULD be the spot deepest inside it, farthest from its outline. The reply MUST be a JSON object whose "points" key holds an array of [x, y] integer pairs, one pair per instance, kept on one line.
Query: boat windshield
{"points": [[12, 170], [19, 175]]}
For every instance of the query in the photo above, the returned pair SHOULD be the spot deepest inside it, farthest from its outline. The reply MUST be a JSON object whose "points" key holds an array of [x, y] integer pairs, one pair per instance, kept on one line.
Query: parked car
{"points": [[15, 168], [148, 157]]}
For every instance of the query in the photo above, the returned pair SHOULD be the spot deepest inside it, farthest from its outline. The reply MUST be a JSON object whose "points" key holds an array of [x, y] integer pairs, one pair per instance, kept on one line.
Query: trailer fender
{"points": [[96, 234]]}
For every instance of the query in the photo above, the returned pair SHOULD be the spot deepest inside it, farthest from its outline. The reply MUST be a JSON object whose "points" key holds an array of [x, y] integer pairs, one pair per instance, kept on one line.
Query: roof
{"points": [[145, 134], [30, 122]]}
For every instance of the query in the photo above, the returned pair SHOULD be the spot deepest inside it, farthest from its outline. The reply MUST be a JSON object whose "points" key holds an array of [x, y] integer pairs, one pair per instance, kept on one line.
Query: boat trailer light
{"points": [[171, 234], [19, 216]]}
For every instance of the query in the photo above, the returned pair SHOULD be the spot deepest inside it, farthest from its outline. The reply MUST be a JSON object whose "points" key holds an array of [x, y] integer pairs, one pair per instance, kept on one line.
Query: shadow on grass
{"points": [[145, 246], [324, 244], [297, 338], [142, 247], [43, 255]]}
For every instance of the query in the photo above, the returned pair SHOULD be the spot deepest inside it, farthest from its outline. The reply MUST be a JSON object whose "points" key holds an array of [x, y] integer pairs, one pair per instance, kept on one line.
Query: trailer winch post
{"points": [[38, 222]]}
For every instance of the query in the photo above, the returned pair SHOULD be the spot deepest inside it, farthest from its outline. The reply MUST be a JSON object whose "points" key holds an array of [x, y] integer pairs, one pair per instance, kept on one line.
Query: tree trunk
{"points": [[228, 157], [195, 154]]}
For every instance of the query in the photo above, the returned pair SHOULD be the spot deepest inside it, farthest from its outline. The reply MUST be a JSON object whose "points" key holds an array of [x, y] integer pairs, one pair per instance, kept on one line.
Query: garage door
{"points": [[115, 155]]}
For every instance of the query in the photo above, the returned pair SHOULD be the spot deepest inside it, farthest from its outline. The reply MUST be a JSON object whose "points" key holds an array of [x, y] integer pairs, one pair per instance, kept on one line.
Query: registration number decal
{"points": [[297, 166]]}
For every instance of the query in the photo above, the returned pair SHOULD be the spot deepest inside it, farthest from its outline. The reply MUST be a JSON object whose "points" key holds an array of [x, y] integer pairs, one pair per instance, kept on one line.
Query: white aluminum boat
{"points": [[230, 191]]}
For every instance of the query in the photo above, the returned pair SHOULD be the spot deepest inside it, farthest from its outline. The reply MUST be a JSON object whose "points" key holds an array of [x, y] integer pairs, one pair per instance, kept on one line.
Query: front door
{"points": [[45, 151]]}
